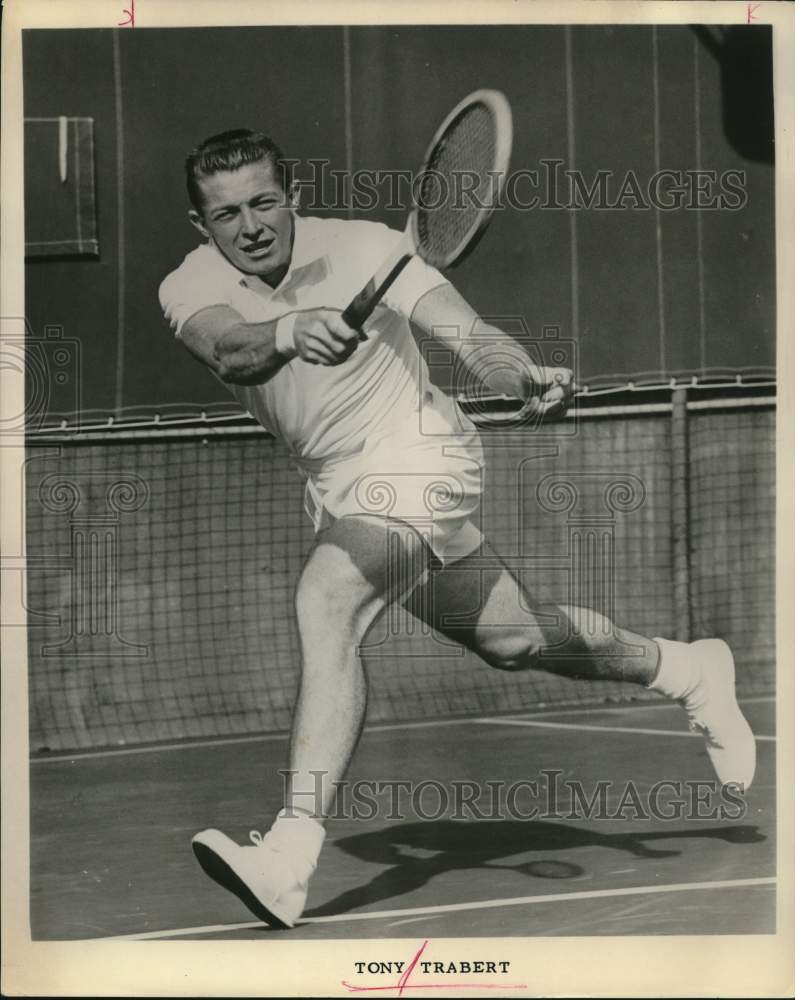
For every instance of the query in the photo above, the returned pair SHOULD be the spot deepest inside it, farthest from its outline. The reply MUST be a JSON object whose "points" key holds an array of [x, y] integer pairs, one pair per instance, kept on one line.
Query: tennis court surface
{"points": [[111, 856]]}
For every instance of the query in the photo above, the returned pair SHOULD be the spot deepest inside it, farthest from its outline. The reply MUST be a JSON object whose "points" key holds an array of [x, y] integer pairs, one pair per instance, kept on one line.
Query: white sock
{"points": [[677, 671], [301, 836]]}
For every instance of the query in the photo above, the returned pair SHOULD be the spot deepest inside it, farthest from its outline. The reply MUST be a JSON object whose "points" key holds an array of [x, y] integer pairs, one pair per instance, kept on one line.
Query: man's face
{"points": [[248, 215]]}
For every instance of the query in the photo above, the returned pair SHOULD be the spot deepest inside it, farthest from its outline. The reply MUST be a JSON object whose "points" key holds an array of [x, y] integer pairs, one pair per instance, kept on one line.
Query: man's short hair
{"points": [[230, 151]]}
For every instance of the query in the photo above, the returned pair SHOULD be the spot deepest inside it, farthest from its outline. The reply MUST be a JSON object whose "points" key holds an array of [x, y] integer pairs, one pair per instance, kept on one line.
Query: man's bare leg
{"points": [[358, 566], [511, 631], [348, 580]]}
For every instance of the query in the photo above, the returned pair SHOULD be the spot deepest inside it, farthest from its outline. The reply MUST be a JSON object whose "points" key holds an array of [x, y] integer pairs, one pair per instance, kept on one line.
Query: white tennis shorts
{"points": [[433, 483]]}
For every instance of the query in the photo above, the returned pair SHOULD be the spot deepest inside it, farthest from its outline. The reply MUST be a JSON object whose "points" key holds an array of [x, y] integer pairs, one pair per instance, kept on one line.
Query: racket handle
{"points": [[361, 308]]}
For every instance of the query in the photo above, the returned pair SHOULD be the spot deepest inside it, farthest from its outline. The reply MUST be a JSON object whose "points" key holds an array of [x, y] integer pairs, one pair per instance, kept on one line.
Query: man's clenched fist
{"points": [[322, 337]]}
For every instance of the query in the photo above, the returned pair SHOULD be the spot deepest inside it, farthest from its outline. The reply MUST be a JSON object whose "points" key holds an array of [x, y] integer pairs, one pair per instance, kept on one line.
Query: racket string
{"points": [[458, 184]]}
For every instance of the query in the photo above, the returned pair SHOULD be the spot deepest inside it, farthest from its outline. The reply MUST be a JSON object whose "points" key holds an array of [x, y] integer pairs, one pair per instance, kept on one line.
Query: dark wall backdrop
{"points": [[694, 295]]}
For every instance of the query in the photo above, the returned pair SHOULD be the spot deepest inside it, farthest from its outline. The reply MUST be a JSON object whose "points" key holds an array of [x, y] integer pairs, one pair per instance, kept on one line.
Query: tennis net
{"points": [[162, 561]]}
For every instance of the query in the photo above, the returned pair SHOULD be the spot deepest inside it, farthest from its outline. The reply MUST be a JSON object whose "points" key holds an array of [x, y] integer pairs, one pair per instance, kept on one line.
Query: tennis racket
{"points": [[472, 143]]}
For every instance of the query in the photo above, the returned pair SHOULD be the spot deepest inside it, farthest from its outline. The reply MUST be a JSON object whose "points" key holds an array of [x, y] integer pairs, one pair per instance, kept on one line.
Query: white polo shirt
{"points": [[322, 412]]}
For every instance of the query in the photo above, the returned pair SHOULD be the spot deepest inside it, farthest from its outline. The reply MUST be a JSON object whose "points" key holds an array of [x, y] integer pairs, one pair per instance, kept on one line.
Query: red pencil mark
{"points": [[750, 12], [130, 16], [404, 984]]}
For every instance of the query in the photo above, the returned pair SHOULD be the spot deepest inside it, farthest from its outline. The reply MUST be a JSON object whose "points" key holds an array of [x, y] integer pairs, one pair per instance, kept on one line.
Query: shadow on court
{"points": [[483, 844], [110, 839]]}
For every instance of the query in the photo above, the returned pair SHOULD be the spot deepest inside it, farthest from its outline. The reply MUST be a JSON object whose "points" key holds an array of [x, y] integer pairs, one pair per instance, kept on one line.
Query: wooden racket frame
{"points": [[368, 298]]}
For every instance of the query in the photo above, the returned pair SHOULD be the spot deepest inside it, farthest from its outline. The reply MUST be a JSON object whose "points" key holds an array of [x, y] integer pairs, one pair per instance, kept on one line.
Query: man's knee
{"points": [[510, 649]]}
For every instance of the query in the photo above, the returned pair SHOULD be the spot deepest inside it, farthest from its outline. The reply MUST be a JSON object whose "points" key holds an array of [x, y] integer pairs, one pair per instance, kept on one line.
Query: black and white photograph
{"points": [[389, 541]]}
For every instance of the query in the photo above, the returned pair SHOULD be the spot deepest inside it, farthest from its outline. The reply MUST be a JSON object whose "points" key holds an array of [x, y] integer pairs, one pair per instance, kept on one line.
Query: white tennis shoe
{"points": [[712, 709], [264, 875]]}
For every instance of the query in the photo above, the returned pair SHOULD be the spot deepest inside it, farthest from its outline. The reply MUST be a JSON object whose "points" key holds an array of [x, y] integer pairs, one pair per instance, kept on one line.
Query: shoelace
{"points": [[696, 726], [270, 840], [300, 870], [257, 839]]}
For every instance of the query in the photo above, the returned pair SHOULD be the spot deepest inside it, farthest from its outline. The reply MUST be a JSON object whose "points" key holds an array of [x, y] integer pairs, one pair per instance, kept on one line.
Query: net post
{"points": [[680, 515]]}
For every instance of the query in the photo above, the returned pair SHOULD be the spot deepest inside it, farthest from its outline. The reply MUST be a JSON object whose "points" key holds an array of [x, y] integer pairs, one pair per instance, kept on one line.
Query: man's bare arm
{"points": [[491, 355], [244, 353], [238, 352]]}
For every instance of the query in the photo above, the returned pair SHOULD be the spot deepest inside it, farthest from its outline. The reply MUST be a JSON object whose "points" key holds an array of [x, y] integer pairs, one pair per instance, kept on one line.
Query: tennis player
{"points": [[393, 476]]}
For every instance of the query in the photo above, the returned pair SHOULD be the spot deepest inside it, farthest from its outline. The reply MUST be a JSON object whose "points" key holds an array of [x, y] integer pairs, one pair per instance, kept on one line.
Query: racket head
{"points": [[462, 177]]}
